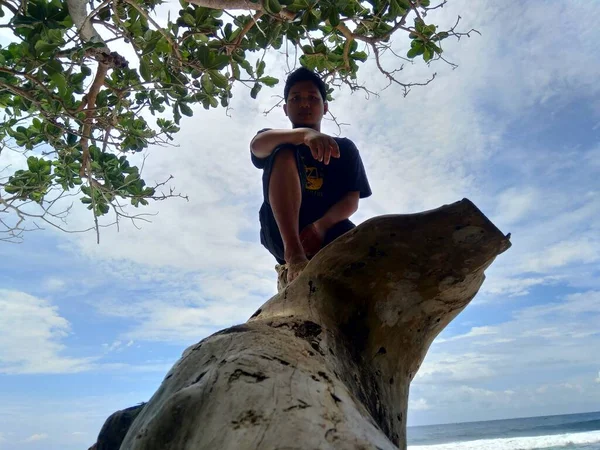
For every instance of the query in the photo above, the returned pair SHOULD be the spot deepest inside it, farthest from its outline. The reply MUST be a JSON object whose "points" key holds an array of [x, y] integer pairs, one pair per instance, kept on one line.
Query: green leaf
{"points": [[427, 55], [361, 56], [145, 69], [60, 81], [104, 14], [43, 46], [255, 90], [247, 66], [412, 53], [207, 84], [236, 70], [419, 25], [227, 31], [186, 110], [334, 17], [260, 68], [150, 47], [219, 79], [272, 6], [429, 30], [439, 36], [188, 19], [33, 164], [269, 81], [310, 20]]}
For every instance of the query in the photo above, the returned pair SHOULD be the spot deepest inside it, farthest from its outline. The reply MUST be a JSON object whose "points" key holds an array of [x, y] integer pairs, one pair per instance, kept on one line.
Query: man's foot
{"points": [[282, 273], [295, 268]]}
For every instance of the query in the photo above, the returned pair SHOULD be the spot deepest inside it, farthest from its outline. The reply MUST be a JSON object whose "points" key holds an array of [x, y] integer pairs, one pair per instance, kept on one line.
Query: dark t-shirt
{"points": [[325, 185]]}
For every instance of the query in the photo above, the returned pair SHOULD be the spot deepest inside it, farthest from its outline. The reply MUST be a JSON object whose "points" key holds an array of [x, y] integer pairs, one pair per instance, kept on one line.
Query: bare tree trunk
{"points": [[79, 14], [327, 363], [240, 4]]}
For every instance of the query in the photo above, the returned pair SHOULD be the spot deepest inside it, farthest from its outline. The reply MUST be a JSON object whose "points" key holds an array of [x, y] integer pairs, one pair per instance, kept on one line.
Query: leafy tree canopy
{"points": [[77, 110]]}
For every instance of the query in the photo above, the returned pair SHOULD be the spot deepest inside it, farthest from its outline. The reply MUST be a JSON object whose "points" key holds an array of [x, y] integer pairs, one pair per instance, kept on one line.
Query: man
{"points": [[311, 181]]}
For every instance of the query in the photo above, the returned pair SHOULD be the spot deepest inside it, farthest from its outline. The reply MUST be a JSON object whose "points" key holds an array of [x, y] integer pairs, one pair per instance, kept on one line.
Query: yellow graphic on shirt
{"points": [[314, 180]]}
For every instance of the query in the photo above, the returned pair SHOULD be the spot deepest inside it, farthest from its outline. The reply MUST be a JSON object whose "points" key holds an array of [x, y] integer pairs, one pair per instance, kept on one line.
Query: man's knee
{"points": [[338, 230], [284, 165]]}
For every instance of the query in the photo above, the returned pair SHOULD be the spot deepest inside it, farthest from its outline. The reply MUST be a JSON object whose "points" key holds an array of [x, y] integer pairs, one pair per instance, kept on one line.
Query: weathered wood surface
{"points": [[327, 363]]}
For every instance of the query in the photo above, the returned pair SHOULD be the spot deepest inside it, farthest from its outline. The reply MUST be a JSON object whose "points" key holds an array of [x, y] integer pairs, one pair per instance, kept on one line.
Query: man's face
{"points": [[304, 105]]}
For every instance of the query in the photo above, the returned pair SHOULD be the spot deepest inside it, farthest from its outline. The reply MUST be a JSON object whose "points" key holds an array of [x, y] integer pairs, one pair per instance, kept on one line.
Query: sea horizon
{"points": [[576, 431]]}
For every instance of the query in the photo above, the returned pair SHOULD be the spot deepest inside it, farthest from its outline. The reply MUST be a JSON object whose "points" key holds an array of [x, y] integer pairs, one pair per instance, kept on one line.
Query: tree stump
{"points": [[327, 363]]}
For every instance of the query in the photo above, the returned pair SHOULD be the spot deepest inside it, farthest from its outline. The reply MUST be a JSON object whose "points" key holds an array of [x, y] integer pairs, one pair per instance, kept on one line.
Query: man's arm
{"points": [[313, 235], [341, 210], [322, 146], [264, 143]]}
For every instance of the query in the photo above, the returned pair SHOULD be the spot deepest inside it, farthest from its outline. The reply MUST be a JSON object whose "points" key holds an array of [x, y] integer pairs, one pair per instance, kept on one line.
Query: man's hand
{"points": [[322, 146], [312, 237]]}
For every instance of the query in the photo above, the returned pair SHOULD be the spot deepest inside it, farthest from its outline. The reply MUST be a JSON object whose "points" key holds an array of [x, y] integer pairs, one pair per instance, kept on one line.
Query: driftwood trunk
{"points": [[327, 363]]}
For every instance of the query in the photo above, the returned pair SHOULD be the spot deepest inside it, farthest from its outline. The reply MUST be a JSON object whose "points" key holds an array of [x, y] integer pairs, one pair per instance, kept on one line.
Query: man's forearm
{"points": [[264, 143], [342, 210]]}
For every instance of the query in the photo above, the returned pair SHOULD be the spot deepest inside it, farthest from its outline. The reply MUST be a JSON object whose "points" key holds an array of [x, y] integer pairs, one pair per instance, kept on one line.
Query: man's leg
{"points": [[337, 230], [285, 198]]}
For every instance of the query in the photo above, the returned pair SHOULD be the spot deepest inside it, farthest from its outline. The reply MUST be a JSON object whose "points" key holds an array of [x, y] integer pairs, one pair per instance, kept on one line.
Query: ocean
{"points": [[566, 432]]}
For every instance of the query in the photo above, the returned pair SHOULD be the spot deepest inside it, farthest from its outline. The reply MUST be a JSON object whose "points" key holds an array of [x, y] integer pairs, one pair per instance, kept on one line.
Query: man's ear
{"points": [[285, 108], [325, 108]]}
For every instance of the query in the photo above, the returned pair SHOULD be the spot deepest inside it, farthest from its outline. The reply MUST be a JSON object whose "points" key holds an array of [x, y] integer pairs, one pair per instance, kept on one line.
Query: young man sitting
{"points": [[311, 181]]}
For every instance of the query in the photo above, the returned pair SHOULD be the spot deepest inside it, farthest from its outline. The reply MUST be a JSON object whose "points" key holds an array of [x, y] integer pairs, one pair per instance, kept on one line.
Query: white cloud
{"points": [[557, 334], [162, 320], [442, 367], [559, 245], [36, 437], [474, 332], [551, 342], [458, 403], [31, 337], [584, 250], [53, 284], [551, 388], [419, 404], [516, 204], [158, 366], [183, 307], [70, 421], [499, 285], [115, 346]]}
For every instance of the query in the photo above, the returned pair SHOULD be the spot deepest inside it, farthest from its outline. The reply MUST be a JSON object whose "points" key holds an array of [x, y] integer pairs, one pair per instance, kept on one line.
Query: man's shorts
{"points": [[269, 231]]}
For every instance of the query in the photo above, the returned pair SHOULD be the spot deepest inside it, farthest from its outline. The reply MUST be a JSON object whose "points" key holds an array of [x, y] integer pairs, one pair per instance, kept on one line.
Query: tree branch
{"points": [[349, 38], [14, 10], [174, 46], [78, 12], [390, 75], [87, 125], [240, 4]]}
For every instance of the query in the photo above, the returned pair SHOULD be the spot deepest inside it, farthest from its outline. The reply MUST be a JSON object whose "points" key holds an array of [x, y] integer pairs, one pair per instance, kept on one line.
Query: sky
{"points": [[89, 329]]}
